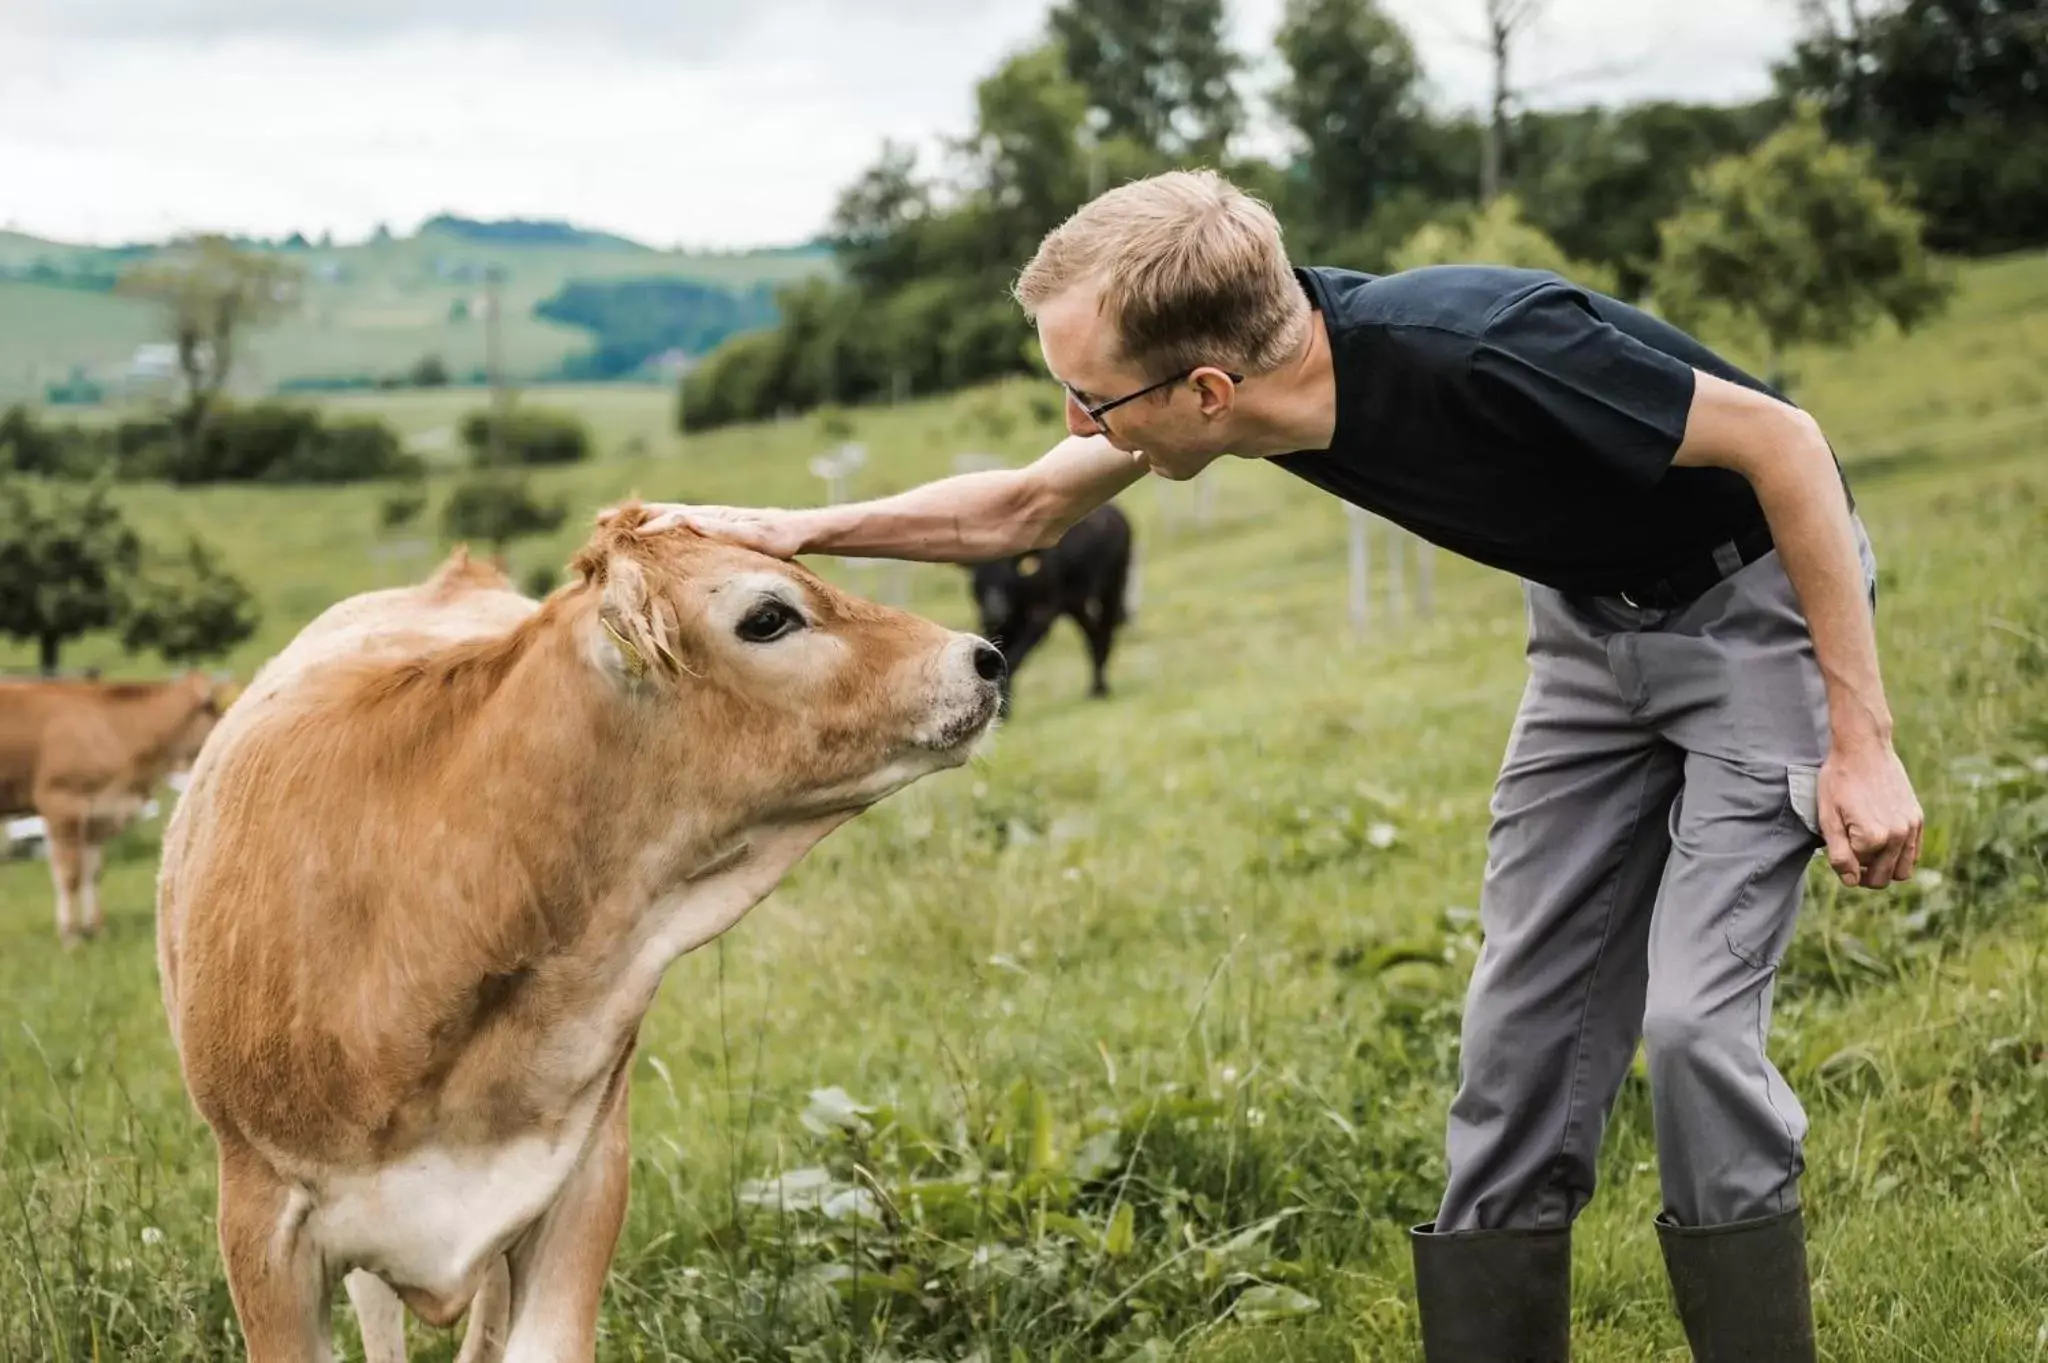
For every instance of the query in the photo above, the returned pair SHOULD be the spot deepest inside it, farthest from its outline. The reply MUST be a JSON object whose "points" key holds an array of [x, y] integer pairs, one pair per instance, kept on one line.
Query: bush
{"points": [[246, 443], [539, 580], [46, 451], [533, 436], [401, 508], [737, 382], [355, 449], [430, 372], [496, 508], [838, 345], [272, 442], [1498, 234]]}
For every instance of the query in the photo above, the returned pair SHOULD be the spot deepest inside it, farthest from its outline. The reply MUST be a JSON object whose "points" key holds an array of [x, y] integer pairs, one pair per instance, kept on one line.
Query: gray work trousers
{"points": [[1652, 825]]}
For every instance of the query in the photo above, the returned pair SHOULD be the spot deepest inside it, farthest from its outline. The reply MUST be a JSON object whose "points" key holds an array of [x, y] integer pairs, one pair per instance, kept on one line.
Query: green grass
{"points": [[390, 310], [1149, 954]]}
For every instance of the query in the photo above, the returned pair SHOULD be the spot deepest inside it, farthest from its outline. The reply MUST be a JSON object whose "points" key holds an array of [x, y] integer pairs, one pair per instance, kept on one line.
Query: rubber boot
{"points": [[1494, 1296], [1741, 1289]]}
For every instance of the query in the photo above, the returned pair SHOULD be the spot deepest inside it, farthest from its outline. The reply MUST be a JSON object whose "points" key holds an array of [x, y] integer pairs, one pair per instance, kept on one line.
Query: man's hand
{"points": [[768, 530], [967, 518], [1869, 816]]}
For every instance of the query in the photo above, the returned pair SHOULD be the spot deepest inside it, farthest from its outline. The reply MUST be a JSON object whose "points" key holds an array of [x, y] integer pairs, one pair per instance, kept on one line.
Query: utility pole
{"points": [[494, 360]]}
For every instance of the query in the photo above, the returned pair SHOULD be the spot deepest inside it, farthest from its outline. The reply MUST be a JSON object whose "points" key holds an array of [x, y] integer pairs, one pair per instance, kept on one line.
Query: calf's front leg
{"points": [[558, 1268], [275, 1275], [66, 840]]}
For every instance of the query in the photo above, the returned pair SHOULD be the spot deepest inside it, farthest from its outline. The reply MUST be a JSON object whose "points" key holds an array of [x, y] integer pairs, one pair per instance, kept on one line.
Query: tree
{"points": [[1885, 70], [1505, 22], [1158, 71], [1952, 94], [186, 608], [498, 509], [1352, 95], [1830, 62], [1497, 235], [875, 223], [1799, 242], [1026, 149], [71, 565], [66, 565], [211, 293], [1599, 181]]}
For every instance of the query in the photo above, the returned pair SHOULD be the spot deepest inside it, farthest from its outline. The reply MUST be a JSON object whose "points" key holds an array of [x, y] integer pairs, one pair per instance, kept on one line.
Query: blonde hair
{"points": [[1191, 268]]}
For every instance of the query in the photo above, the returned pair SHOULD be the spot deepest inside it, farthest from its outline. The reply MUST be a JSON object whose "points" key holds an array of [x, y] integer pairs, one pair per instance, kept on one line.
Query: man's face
{"points": [[1178, 430]]}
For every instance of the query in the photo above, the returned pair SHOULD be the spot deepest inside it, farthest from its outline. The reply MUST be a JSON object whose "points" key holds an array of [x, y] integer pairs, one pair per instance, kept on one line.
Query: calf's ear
{"points": [[636, 629]]}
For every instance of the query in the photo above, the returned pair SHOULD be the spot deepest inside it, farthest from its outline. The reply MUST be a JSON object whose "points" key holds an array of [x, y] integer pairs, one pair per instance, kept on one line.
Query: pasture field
{"points": [[1133, 1040]]}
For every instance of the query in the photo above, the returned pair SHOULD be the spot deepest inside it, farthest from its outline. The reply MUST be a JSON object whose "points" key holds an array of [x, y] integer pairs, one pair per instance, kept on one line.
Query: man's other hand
{"points": [[1869, 816]]}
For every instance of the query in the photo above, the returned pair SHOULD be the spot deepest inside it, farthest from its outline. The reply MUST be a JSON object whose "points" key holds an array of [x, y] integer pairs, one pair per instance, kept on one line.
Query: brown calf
{"points": [[84, 756], [427, 878]]}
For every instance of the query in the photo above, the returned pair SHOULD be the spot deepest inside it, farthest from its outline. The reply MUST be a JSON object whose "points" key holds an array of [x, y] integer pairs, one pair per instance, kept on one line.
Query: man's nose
{"points": [[1078, 422]]}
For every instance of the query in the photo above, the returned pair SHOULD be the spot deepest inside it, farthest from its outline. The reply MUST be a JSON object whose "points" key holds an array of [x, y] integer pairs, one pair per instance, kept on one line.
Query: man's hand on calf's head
{"points": [[768, 530]]}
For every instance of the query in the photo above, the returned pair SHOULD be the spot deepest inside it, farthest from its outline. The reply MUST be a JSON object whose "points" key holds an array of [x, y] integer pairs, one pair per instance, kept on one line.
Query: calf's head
{"points": [[201, 704], [773, 693]]}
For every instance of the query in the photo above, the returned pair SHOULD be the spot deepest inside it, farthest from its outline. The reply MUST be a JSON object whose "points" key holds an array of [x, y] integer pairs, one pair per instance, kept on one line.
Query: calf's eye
{"points": [[768, 621]]}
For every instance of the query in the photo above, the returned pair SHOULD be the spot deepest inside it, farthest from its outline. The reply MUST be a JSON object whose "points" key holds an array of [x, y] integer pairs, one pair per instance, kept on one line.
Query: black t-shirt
{"points": [[1521, 421]]}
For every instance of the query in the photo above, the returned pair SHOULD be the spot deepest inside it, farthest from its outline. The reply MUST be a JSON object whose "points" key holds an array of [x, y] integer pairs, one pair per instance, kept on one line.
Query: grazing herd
{"points": [[429, 867]]}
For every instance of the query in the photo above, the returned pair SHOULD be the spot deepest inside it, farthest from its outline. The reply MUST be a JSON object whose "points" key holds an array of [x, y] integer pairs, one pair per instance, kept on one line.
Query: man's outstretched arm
{"points": [[1868, 813], [963, 519]]}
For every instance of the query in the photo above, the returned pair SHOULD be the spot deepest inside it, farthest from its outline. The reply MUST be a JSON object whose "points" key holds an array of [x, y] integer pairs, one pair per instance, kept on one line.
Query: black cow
{"points": [[1083, 575]]}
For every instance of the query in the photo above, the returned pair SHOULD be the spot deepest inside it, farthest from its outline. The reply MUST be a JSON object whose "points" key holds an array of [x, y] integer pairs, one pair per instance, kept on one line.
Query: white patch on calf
{"points": [[434, 1220]]}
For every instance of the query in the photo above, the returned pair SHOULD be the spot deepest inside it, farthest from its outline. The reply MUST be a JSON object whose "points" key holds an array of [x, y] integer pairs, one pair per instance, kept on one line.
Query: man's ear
{"points": [[1214, 392]]}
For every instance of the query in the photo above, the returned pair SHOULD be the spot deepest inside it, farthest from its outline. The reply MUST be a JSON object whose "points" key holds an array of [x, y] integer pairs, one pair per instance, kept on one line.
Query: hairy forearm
{"points": [[1802, 498], [966, 518], [976, 516]]}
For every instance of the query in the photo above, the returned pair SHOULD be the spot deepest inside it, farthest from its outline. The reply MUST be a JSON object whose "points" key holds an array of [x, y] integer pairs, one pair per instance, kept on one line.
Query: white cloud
{"points": [[683, 121]]}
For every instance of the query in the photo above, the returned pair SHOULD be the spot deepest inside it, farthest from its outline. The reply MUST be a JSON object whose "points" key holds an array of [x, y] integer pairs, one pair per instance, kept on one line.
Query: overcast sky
{"points": [[679, 122]]}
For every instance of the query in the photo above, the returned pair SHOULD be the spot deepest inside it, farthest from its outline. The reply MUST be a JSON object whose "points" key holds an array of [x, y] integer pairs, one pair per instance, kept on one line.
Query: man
{"points": [[1703, 708]]}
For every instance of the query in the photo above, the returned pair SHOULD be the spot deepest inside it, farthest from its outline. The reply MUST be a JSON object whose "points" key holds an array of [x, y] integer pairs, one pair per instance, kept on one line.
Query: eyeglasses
{"points": [[1096, 413]]}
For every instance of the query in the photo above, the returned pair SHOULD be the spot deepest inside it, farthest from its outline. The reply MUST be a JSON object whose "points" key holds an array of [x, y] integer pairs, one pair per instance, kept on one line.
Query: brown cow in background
{"points": [[85, 757]]}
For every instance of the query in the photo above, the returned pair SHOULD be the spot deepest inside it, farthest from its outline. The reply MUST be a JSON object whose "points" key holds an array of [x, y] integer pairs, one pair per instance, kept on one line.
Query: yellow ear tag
{"points": [[636, 665]]}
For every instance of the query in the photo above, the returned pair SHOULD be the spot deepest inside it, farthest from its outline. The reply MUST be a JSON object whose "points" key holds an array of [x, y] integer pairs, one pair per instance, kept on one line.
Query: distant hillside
{"points": [[525, 232], [374, 309], [638, 321]]}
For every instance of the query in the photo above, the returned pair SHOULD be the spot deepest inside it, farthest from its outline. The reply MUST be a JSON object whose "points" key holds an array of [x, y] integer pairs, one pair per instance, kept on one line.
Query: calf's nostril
{"points": [[988, 664]]}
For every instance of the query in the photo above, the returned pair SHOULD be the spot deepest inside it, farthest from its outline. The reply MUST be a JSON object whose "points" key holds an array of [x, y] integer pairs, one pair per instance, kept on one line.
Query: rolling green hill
{"points": [[371, 308]]}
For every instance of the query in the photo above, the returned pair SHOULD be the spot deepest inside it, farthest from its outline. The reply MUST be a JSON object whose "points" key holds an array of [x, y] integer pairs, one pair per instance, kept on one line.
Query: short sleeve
{"points": [[1549, 369]]}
